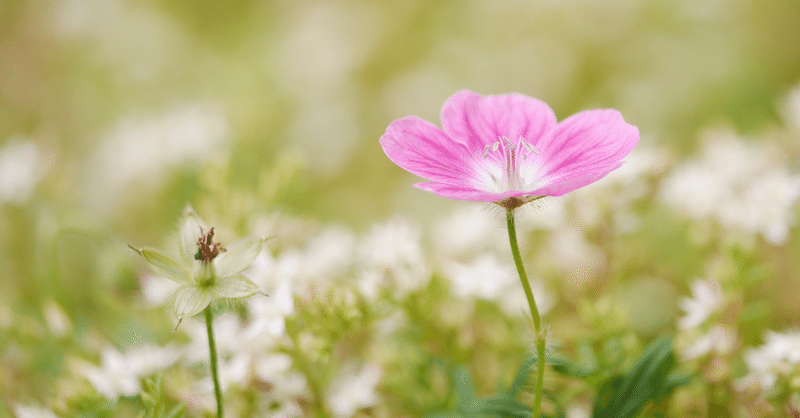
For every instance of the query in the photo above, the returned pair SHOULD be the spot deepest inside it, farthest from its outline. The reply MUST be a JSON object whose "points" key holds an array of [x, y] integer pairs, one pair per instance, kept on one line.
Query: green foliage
{"points": [[648, 380], [155, 401]]}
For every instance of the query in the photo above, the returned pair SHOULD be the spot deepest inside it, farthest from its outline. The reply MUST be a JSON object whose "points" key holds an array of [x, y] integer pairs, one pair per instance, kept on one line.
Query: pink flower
{"points": [[508, 149]]}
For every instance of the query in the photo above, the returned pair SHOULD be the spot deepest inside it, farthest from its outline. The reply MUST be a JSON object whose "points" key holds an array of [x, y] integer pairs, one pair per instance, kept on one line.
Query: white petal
{"points": [[190, 300], [239, 256], [192, 228], [236, 286], [165, 266]]}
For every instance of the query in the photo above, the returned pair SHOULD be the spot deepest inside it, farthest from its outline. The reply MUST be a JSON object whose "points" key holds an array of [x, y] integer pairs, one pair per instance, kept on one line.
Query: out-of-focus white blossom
{"points": [[268, 314], [136, 40], [119, 374], [353, 389], [574, 254], [579, 410], [140, 151], [20, 170], [484, 277], [778, 358], [392, 251], [743, 187], [57, 320], [276, 369], [791, 109], [720, 340], [330, 253], [311, 269], [707, 298], [468, 231], [33, 411], [489, 279]]}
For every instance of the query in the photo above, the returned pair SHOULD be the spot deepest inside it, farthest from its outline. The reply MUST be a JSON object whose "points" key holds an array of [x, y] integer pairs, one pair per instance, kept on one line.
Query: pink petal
{"points": [[467, 193], [421, 148], [477, 121], [583, 149]]}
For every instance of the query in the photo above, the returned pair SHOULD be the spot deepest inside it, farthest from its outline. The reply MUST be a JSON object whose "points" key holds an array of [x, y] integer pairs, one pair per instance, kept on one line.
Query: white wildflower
{"points": [[32, 411], [119, 374], [20, 170], [392, 250], [744, 187], [468, 231], [575, 255], [206, 270], [140, 151], [484, 277], [707, 298], [778, 358], [720, 340], [353, 389], [57, 320]]}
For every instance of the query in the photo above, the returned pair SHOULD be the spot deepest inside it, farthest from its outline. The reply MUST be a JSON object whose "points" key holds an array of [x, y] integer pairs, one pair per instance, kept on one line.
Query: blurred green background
{"points": [[114, 114], [241, 83]]}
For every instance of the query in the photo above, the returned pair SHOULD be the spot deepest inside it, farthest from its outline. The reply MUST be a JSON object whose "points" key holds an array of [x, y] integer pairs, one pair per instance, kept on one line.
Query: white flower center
{"points": [[506, 176]]}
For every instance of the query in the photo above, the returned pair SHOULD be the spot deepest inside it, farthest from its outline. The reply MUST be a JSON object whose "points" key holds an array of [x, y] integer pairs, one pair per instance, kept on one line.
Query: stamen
{"points": [[207, 249], [510, 154]]}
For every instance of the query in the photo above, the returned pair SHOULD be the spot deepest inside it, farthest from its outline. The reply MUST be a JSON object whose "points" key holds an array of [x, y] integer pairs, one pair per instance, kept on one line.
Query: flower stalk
{"points": [[537, 320], [212, 348]]}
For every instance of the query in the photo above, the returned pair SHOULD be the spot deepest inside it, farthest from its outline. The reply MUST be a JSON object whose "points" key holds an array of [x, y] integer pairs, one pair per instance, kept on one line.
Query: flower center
{"points": [[207, 249], [510, 156]]}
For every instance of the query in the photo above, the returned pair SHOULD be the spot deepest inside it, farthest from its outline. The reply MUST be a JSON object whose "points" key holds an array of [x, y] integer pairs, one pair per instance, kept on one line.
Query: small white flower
{"points": [[119, 374], [720, 340], [207, 269], [392, 251], [19, 170], [484, 277], [32, 411], [744, 187], [706, 299], [352, 390], [779, 357]]}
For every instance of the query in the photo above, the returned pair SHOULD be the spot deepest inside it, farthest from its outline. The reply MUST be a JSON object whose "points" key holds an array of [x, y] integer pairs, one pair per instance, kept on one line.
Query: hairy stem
{"points": [[537, 320], [212, 348]]}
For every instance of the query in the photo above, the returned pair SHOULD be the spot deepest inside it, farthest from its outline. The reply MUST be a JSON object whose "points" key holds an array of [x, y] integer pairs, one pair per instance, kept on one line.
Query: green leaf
{"points": [[588, 360], [523, 374], [161, 264], [190, 300], [624, 397], [446, 415], [238, 256], [504, 407], [234, 287], [462, 380], [605, 396], [177, 411]]}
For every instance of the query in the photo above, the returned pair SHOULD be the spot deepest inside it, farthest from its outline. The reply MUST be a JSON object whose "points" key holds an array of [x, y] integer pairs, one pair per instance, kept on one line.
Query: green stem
{"points": [[212, 348], [537, 320]]}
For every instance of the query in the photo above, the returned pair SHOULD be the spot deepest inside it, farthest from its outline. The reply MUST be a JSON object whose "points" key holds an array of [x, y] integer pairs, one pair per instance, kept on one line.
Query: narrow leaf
{"points": [[523, 374], [505, 407], [624, 398], [177, 411], [462, 380]]}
